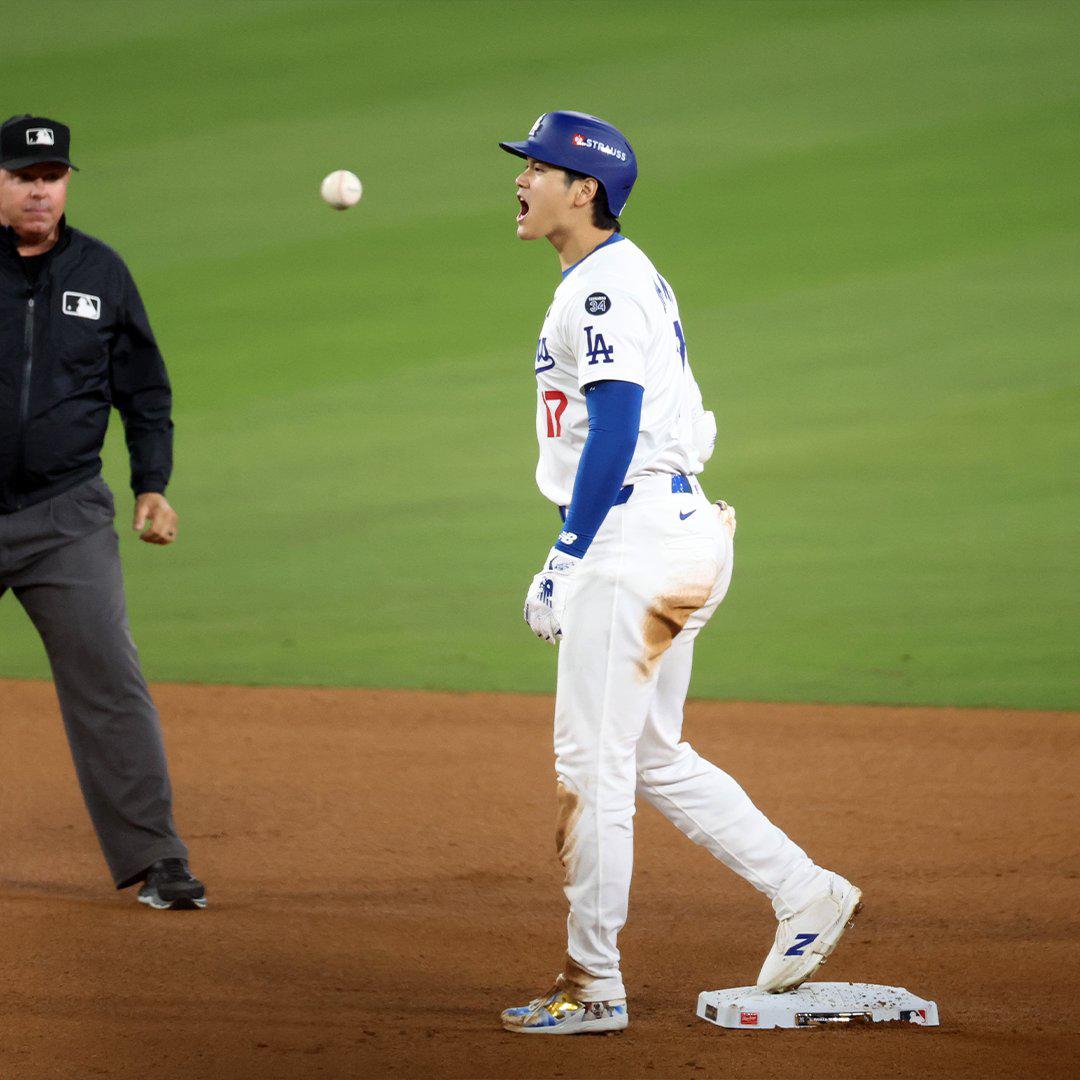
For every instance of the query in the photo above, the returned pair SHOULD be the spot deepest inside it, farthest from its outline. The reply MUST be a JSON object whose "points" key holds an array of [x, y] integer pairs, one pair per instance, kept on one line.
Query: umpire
{"points": [[75, 341]]}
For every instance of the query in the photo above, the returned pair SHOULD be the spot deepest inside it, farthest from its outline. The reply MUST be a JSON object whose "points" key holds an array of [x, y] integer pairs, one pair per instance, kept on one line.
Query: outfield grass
{"points": [[869, 213]]}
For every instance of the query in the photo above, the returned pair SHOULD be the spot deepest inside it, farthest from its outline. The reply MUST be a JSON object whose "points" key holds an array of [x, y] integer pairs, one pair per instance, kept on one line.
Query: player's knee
{"points": [[666, 764]]}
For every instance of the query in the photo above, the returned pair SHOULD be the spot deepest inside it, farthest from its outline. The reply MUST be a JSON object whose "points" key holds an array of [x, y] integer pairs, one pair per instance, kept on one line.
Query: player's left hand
{"points": [[154, 514], [545, 601], [727, 516]]}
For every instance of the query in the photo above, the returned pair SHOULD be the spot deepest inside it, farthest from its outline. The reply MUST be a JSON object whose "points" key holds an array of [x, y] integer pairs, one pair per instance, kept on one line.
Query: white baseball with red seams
{"points": [[653, 576], [341, 189]]}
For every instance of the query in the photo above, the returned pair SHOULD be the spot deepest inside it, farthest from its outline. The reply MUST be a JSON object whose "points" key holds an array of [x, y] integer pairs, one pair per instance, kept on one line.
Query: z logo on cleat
{"points": [[801, 942]]}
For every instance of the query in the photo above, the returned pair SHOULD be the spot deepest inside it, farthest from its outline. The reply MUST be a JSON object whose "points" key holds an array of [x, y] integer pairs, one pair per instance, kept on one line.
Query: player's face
{"points": [[544, 200], [32, 200]]}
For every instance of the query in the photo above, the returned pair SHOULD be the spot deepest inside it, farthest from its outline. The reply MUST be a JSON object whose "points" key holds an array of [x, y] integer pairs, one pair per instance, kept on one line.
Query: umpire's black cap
{"points": [[34, 140]]}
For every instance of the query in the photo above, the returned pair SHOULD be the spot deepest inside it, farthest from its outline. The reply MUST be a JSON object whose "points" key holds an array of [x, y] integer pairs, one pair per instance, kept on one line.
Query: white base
{"points": [[813, 1004]]}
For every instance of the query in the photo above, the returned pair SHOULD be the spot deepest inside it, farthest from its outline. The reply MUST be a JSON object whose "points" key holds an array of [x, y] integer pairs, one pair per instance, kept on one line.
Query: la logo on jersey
{"points": [[82, 305], [40, 137], [598, 349]]}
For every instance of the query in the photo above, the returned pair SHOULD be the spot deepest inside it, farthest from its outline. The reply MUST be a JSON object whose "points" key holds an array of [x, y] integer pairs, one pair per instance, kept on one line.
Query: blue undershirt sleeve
{"points": [[614, 422]]}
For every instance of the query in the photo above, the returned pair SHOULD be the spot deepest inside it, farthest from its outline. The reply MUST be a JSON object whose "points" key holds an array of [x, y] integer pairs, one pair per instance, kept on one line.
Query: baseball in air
{"points": [[342, 189]]}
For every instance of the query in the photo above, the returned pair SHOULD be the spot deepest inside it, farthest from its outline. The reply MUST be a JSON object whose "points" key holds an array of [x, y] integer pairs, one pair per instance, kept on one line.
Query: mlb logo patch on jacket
{"points": [[82, 305]]}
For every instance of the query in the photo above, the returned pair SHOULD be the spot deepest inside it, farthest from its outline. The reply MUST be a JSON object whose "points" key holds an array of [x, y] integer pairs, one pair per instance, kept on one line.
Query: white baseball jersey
{"points": [[614, 317]]}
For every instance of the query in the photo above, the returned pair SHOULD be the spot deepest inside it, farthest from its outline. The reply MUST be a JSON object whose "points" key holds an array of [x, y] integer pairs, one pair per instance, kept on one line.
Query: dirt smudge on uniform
{"points": [[574, 978], [664, 619], [569, 814]]}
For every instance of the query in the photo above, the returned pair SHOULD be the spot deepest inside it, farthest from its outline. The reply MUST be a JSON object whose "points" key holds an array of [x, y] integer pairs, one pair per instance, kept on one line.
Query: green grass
{"points": [[869, 212]]}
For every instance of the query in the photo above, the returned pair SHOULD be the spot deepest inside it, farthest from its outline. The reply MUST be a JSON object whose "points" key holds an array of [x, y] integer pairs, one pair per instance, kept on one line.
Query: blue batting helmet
{"points": [[586, 144]]}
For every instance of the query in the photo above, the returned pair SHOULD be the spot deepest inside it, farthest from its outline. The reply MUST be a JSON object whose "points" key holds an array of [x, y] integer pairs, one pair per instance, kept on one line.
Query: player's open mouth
{"points": [[524, 209]]}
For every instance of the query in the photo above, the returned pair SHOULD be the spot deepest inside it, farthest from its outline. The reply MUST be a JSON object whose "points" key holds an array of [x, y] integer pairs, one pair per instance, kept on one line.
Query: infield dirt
{"points": [[383, 880]]}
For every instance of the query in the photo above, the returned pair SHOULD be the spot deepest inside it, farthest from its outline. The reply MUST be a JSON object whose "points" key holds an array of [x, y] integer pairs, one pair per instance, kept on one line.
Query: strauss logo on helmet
{"points": [[595, 144]]}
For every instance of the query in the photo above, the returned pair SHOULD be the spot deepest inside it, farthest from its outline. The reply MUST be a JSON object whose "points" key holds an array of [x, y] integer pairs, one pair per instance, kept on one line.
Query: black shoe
{"points": [[170, 884]]}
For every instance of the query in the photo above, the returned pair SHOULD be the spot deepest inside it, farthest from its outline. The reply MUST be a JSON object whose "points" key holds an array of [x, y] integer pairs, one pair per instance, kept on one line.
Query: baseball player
{"points": [[641, 563], [74, 341]]}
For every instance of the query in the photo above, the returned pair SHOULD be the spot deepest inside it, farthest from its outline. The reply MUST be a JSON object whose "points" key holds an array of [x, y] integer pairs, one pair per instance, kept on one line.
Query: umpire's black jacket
{"points": [[73, 343]]}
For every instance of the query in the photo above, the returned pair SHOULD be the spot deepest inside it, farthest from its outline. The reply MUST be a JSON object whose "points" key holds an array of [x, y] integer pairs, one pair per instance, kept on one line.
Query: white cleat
{"points": [[805, 940], [557, 1013]]}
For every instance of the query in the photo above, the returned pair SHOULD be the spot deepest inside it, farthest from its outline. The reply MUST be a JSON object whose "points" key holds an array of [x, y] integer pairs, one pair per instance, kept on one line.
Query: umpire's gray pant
{"points": [[61, 558]]}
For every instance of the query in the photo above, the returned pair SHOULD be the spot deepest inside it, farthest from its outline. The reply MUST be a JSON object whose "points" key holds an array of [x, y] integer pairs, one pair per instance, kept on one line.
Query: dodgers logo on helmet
{"points": [[586, 144]]}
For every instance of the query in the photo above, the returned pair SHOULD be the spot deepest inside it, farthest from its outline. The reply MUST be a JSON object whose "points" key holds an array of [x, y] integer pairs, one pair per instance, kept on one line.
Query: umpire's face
{"points": [[32, 199]]}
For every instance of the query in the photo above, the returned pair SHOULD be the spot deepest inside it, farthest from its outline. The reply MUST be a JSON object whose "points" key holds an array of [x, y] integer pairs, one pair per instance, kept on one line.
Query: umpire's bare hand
{"points": [[154, 515]]}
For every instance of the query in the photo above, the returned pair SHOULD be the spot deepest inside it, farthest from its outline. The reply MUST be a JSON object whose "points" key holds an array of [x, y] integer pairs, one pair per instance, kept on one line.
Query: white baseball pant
{"points": [[653, 576]]}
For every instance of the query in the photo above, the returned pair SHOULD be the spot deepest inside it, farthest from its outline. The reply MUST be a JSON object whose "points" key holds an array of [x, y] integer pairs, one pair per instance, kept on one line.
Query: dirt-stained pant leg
{"points": [[62, 562], [595, 737], [647, 571]]}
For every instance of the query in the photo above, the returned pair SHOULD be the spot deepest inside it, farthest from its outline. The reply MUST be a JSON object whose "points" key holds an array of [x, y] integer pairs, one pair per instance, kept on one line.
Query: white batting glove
{"points": [[545, 601]]}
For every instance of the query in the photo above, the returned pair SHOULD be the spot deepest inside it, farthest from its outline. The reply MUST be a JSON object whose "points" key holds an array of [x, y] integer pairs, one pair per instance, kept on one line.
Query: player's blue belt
{"points": [[680, 485]]}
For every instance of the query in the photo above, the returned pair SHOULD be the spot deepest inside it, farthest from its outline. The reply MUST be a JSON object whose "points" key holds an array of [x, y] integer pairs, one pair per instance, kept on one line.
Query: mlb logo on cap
{"points": [[82, 305], [34, 140]]}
